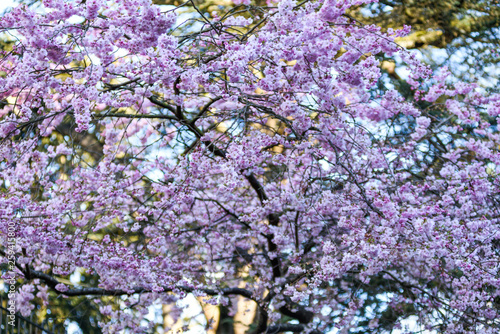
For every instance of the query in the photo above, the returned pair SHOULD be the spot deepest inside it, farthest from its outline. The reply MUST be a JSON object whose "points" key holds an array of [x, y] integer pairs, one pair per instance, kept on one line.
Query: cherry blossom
{"points": [[253, 155]]}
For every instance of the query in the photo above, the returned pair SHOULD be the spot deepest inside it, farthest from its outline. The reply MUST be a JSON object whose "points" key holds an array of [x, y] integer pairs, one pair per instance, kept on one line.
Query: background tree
{"points": [[466, 33]]}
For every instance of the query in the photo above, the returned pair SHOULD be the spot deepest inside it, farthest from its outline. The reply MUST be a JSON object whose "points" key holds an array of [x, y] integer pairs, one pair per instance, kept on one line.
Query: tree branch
{"points": [[52, 282], [153, 99], [280, 328], [121, 115], [204, 109]]}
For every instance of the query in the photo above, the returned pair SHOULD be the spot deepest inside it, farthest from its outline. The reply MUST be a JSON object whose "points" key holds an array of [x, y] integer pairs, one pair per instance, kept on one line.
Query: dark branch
{"points": [[288, 328], [162, 104], [204, 109], [300, 313], [121, 115], [284, 328]]}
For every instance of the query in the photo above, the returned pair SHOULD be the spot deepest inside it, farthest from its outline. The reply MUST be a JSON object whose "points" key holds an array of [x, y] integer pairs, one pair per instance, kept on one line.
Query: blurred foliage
{"points": [[466, 32]]}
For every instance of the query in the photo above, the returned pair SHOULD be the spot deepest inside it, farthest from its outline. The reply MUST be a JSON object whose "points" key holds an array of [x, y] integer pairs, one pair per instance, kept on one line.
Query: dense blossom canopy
{"points": [[256, 154]]}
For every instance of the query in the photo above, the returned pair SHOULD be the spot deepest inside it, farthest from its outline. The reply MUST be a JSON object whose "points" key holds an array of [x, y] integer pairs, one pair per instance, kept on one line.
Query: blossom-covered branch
{"points": [[256, 152]]}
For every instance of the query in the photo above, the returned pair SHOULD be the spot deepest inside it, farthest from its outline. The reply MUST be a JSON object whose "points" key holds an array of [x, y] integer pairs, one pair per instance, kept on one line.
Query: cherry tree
{"points": [[258, 153]]}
